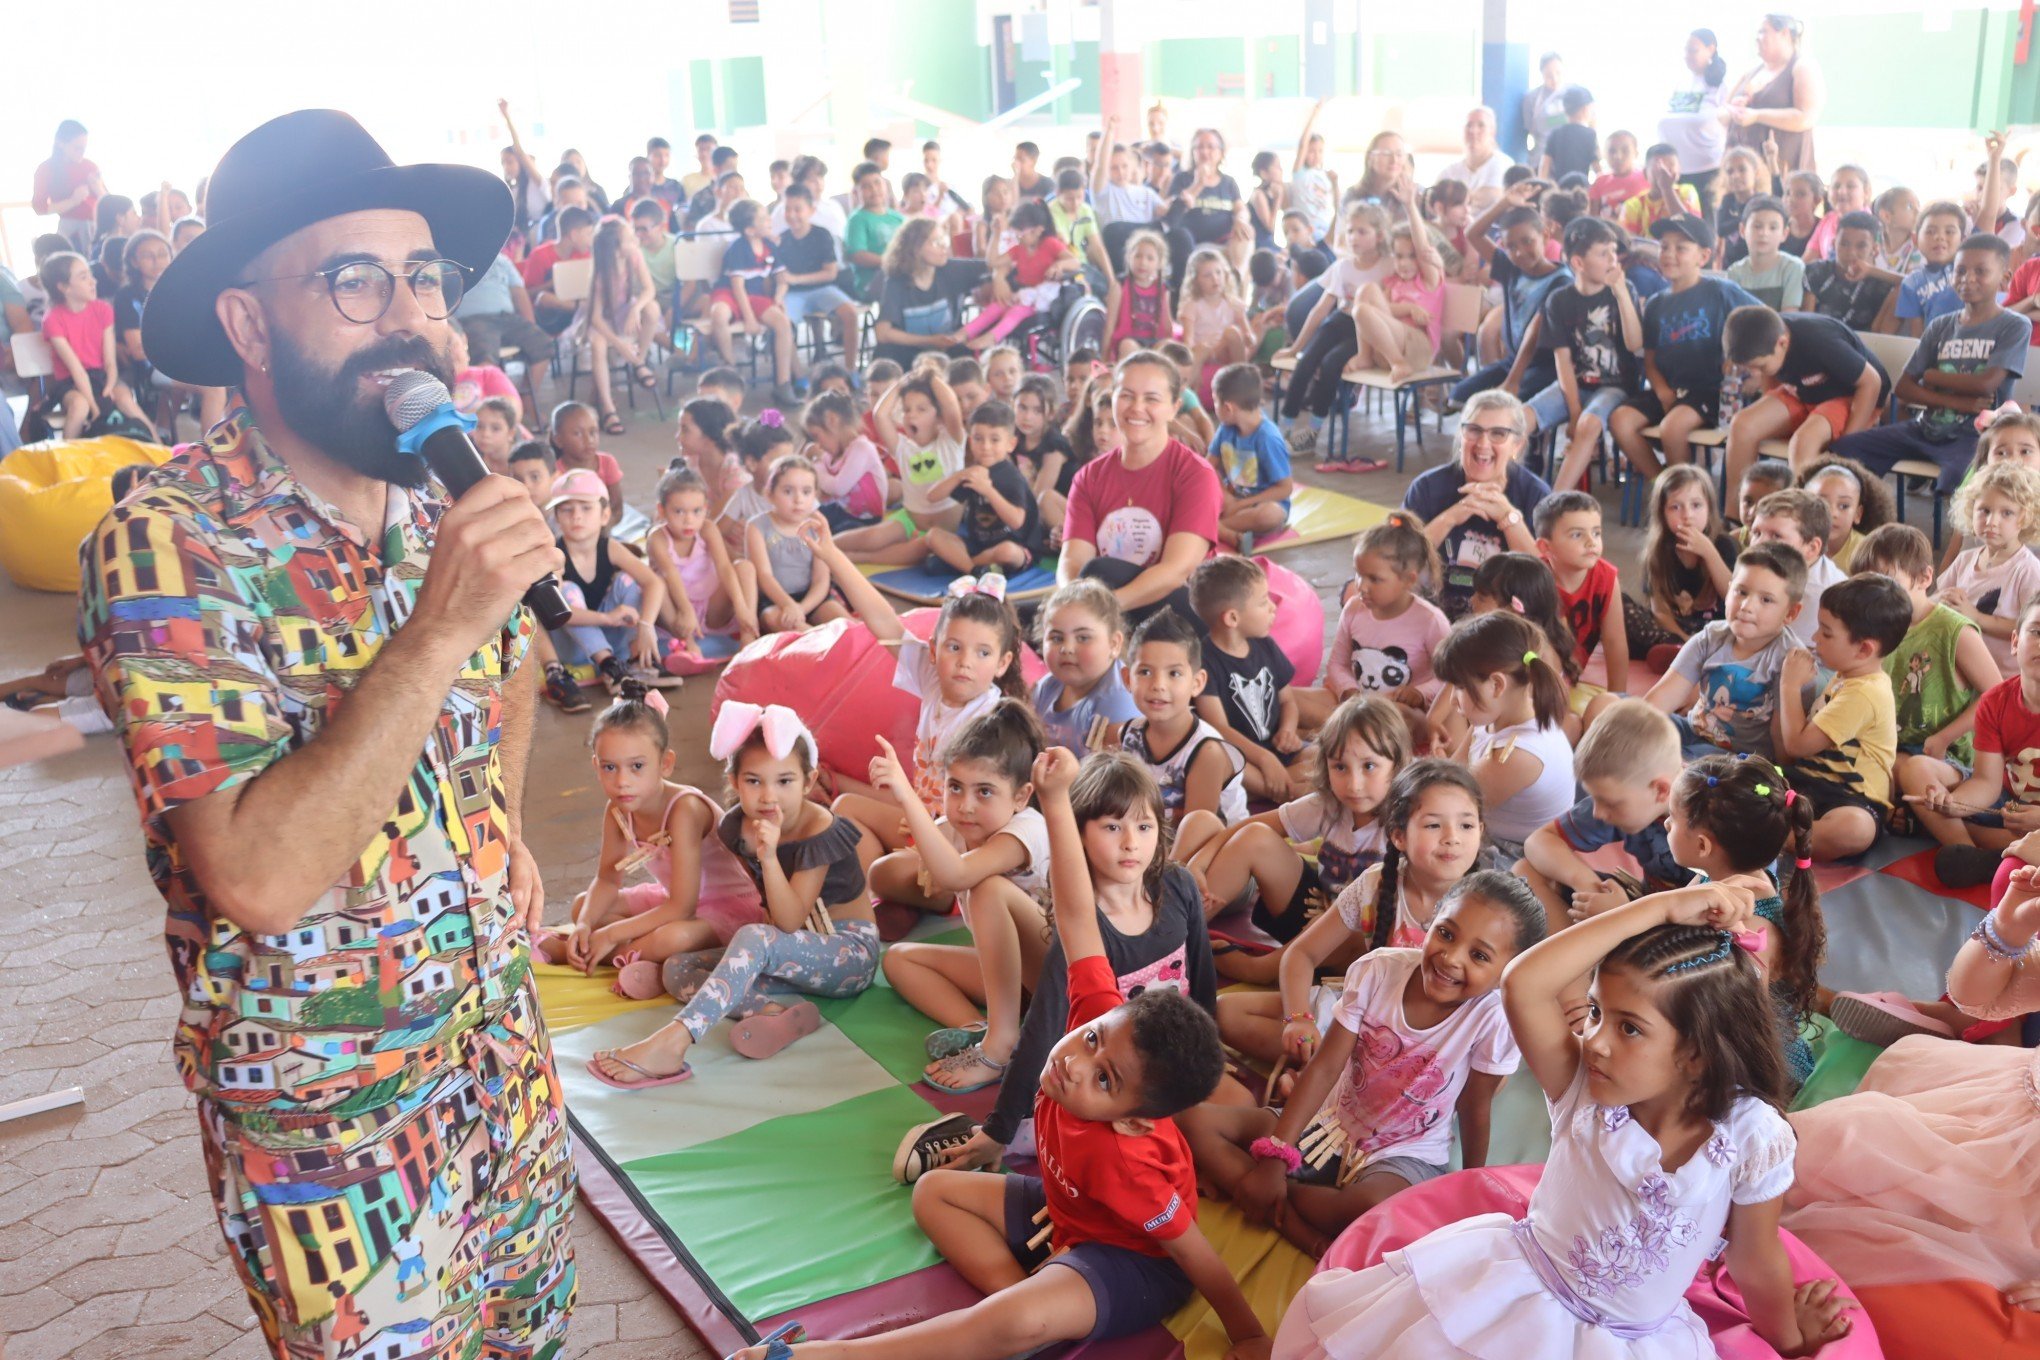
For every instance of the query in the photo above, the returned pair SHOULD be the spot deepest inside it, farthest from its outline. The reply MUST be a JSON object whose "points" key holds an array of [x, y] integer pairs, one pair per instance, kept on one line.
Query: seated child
{"points": [[921, 421], [474, 383], [1387, 629], [1968, 357], [1722, 688], [847, 465], [706, 593], [1928, 291], [1003, 372], [1119, 1193], [2008, 435], [1851, 287], [532, 464], [80, 331], [1362, 746], [1839, 754], [703, 434], [1798, 520], [1991, 582], [1687, 558], [1765, 476], [1858, 504], [1513, 583], [1001, 525], [572, 433], [1512, 699], [1400, 319], [615, 598], [1083, 634], [1595, 346], [1043, 453], [1773, 277], [757, 446], [818, 936], [1819, 383], [1627, 764], [1430, 827], [650, 826], [966, 376], [495, 433], [1898, 214], [1251, 457], [1418, 1036], [1246, 696], [1196, 769], [1213, 318], [1568, 525], [792, 587], [723, 384], [1138, 315], [1942, 668], [988, 854]]}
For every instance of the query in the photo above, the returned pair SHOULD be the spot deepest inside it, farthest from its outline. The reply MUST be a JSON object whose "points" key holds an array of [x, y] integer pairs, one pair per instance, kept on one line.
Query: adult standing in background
{"points": [[1693, 123], [1782, 97], [69, 185], [1483, 165], [1544, 105]]}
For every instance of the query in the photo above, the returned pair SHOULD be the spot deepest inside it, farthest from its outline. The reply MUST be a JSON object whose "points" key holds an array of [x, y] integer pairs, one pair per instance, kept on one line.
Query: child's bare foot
{"points": [[661, 1054], [1398, 374]]}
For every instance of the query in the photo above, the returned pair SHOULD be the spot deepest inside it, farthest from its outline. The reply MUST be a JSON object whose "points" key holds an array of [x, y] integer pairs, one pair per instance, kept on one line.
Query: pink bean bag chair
{"points": [[1299, 620], [1506, 1189], [838, 677]]}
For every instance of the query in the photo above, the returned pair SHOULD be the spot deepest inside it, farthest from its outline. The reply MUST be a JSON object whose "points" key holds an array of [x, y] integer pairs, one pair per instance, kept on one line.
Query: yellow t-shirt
{"points": [[1845, 556], [1861, 717]]}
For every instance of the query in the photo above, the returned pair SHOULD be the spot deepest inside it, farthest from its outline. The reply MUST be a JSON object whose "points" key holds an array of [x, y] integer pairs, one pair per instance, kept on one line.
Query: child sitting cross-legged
{"points": [[1942, 668], [1990, 583], [1083, 634], [1687, 558], [989, 855], [792, 587], [1839, 754], [818, 935], [614, 597], [1568, 525], [1512, 698], [1247, 695], [1251, 456], [1197, 770], [1001, 526], [1627, 764], [1722, 688], [1798, 521], [1387, 629], [1418, 1035], [1118, 1192]]}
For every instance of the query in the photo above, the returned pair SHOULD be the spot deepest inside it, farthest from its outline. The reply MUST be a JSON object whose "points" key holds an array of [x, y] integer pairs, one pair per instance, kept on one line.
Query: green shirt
{"points": [[871, 231], [665, 272], [1075, 228], [1928, 688]]}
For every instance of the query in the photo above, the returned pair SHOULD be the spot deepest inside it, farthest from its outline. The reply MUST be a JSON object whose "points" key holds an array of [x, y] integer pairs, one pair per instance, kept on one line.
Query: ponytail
{"points": [[1387, 901], [1503, 644], [1805, 943], [1405, 793]]}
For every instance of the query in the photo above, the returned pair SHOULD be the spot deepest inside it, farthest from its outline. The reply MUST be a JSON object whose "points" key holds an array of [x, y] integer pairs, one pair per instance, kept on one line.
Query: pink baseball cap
{"points": [[578, 484]]}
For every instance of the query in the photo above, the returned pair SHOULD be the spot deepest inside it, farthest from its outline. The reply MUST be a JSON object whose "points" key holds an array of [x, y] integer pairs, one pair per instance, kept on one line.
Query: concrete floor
{"points": [[108, 1242]]}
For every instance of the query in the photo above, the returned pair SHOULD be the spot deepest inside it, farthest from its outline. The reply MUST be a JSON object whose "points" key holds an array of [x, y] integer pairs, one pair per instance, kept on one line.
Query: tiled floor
{"points": [[108, 1244]]}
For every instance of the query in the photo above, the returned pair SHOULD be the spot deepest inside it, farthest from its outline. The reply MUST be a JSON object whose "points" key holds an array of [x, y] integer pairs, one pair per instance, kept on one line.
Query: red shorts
{"points": [[1835, 410], [760, 308]]}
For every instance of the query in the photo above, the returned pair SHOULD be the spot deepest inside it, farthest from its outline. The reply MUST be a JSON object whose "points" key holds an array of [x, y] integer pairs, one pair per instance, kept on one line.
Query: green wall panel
{"points": [[1190, 67], [1278, 66], [1954, 78], [934, 44], [743, 92], [701, 84], [1416, 65]]}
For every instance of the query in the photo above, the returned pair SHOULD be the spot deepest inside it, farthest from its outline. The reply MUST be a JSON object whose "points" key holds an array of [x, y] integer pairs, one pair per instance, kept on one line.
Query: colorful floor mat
{"points": [[1316, 514], [928, 583], [758, 1191]]}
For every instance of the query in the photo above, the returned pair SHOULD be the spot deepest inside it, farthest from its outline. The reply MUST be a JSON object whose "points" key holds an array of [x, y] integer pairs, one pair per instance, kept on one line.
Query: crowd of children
{"points": [[1418, 840]]}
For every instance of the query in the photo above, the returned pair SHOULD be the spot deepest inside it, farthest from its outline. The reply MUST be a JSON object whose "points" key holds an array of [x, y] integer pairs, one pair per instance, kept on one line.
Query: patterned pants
{"points": [[842, 964], [437, 1228]]}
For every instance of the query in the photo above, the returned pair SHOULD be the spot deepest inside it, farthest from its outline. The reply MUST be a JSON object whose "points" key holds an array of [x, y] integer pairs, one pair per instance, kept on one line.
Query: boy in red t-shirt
{"points": [[1123, 1213], [1568, 526]]}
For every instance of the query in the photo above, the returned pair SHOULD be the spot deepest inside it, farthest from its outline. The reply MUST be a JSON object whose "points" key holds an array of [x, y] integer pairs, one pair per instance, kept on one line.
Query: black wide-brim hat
{"points": [[294, 170]]}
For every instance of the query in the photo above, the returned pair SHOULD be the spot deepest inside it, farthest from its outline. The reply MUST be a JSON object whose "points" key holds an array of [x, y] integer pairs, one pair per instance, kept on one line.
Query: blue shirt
{"points": [[1650, 847], [1928, 292], [1682, 333], [1108, 699], [489, 294], [1251, 463]]}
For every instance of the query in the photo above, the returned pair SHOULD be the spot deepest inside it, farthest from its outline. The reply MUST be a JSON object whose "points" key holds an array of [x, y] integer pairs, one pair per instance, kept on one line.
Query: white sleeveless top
{"points": [[1170, 772], [1548, 797]]}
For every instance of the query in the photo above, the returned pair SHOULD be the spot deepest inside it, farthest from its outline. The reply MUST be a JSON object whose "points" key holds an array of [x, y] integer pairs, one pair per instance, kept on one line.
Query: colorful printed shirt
{"points": [[226, 613]]}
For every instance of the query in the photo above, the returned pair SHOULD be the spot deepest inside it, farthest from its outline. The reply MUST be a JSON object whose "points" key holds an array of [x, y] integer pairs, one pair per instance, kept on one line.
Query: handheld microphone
{"points": [[428, 425]]}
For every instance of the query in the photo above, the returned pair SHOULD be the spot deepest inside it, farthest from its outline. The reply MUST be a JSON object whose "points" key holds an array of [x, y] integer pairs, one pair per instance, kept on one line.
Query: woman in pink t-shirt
{"points": [[79, 327], [1141, 518]]}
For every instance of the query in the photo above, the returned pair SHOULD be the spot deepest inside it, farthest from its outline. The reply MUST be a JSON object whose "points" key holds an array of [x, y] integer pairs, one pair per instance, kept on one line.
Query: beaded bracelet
{"points": [[1273, 1149], [1301, 1015], [1986, 934]]}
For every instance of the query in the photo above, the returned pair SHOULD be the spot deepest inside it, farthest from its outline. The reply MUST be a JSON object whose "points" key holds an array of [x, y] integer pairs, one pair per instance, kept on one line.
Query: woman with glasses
{"points": [[1480, 503], [1779, 99]]}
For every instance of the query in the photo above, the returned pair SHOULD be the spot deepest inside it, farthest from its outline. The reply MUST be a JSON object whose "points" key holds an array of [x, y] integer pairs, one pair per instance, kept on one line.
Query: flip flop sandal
{"points": [[992, 1073], [612, 423], [779, 1343], [647, 1079], [644, 375], [954, 1039], [1882, 1018], [1355, 465], [761, 1036]]}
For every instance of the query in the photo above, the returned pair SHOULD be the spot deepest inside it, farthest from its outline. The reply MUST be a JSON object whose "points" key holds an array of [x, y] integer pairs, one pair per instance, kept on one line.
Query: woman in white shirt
{"points": [[1693, 123]]}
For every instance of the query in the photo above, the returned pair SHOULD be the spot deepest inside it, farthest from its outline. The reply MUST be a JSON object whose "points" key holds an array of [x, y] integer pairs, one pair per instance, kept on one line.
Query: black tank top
{"points": [[594, 589]]}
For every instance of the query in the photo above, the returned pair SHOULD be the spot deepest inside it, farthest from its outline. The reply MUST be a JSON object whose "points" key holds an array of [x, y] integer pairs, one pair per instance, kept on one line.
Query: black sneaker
{"points": [[562, 692], [923, 1148], [1965, 866]]}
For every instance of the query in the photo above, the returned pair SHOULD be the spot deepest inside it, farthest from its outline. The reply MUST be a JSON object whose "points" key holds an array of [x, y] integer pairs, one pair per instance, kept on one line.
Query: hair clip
{"points": [[1516, 603], [656, 702], [991, 583], [1802, 864], [1991, 417], [1529, 657], [781, 725], [1712, 781], [1720, 952], [1790, 794], [770, 416], [1763, 790]]}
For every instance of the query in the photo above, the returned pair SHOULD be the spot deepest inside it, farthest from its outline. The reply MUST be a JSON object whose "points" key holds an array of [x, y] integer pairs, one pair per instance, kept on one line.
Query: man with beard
{"points": [[315, 664]]}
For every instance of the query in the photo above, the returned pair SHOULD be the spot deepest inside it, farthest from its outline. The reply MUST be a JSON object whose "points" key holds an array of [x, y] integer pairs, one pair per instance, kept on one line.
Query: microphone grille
{"points": [[412, 396]]}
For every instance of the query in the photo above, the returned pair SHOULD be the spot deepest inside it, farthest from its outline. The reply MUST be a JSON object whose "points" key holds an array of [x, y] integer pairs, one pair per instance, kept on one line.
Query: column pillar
{"points": [[1504, 77], [1120, 75]]}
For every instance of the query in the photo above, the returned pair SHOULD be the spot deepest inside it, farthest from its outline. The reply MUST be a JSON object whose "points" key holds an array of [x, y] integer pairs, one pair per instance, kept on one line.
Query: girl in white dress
{"points": [[1667, 1147]]}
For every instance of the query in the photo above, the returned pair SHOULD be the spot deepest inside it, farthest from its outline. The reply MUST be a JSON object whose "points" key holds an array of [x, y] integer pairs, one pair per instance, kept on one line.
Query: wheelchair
{"points": [[1075, 321]]}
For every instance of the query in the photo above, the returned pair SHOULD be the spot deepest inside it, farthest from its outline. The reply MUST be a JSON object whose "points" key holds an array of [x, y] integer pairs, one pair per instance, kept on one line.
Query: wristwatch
{"points": [[1515, 518]]}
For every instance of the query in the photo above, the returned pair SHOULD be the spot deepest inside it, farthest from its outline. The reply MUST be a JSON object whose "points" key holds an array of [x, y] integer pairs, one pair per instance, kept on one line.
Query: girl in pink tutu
{"points": [[1931, 1170], [1667, 1149], [641, 906]]}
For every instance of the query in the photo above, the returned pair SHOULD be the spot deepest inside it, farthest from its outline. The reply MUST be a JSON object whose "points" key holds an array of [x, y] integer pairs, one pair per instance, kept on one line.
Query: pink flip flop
{"points": [[647, 1079], [761, 1036], [1882, 1018]]}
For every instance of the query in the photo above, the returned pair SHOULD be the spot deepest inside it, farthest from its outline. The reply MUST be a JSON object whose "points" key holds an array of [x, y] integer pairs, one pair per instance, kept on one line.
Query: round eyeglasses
{"points": [[362, 289]]}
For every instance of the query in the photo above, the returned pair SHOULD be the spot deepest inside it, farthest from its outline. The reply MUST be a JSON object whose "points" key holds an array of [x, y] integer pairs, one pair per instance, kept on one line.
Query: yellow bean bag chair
{"points": [[53, 494]]}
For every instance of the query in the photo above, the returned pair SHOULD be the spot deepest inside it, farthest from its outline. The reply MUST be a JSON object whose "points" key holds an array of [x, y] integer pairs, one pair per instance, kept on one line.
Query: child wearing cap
{"points": [[615, 596], [1682, 329]]}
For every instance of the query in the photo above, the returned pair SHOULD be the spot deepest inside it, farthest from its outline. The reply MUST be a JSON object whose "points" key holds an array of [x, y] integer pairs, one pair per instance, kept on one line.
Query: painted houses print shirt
{"points": [[227, 613]]}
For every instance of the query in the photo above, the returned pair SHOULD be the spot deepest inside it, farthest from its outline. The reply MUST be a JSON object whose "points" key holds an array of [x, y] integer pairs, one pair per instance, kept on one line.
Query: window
{"points": [[344, 1256], [333, 1219]]}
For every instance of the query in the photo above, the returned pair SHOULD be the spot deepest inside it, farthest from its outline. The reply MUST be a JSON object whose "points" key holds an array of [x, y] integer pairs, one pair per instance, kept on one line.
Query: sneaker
{"points": [[1965, 866], [1883, 1018], [84, 714], [1302, 437], [653, 677], [561, 691], [924, 1146], [613, 673]]}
